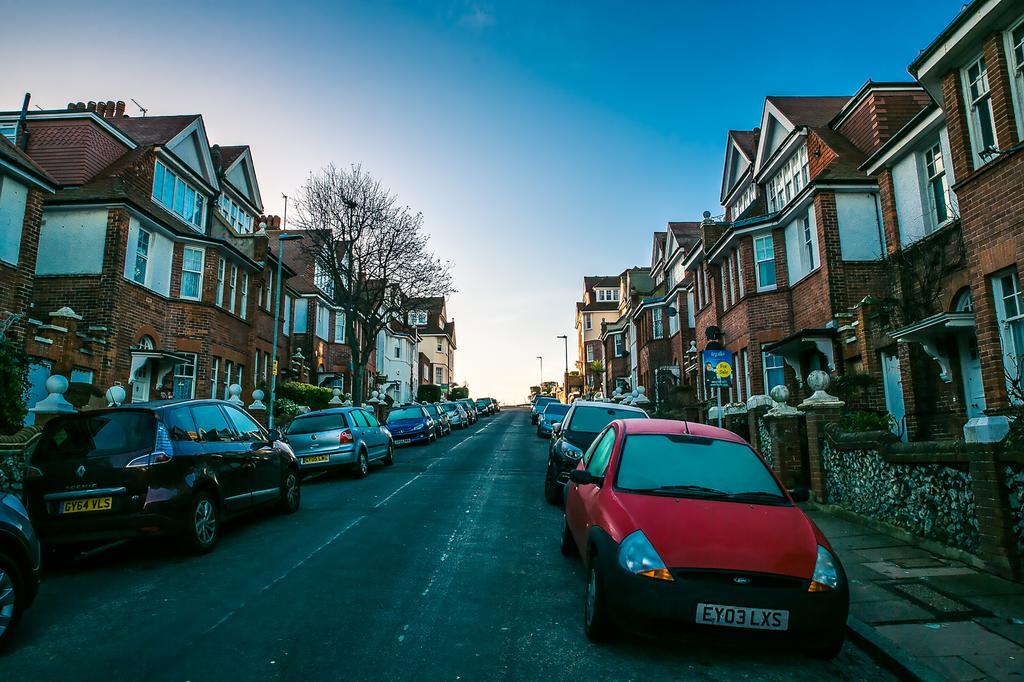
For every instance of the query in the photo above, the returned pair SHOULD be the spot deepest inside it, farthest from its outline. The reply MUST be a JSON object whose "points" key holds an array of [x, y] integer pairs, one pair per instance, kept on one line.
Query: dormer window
{"points": [[418, 318], [10, 131], [744, 202], [788, 182], [177, 196], [236, 216], [323, 280], [607, 295]]}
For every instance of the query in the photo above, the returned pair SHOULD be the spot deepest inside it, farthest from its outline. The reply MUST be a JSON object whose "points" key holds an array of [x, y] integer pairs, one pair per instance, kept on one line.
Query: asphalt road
{"points": [[445, 566]]}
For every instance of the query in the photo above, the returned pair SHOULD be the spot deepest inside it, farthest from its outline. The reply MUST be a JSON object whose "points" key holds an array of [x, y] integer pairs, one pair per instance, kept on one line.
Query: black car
{"points": [[571, 438], [471, 410], [483, 405], [442, 425], [19, 564], [175, 468]]}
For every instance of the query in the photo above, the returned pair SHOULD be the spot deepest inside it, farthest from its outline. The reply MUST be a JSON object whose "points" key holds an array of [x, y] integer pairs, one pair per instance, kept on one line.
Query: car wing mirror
{"points": [[584, 477], [800, 494], [556, 428]]}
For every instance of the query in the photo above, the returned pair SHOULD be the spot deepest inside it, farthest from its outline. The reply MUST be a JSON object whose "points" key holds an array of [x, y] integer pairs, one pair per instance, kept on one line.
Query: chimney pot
{"points": [[110, 108], [80, 106], [119, 109], [101, 109], [71, 106], [91, 106]]}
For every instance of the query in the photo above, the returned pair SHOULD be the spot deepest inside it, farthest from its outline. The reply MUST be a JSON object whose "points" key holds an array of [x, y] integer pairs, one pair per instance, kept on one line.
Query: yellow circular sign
{"points": [[723, 370]]}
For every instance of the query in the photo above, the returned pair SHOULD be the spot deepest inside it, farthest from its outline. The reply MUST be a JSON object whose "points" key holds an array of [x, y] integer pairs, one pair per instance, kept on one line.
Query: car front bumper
{"points": [[411, 438], [644, 604]]}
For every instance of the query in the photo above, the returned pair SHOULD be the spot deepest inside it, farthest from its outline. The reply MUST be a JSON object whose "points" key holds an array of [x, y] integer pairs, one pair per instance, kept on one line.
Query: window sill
{"points": [[766, 290], [804, 276]]}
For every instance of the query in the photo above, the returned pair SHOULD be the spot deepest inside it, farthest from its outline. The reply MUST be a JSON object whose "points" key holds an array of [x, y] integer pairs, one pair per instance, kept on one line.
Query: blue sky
{"points": [[542, 141]]}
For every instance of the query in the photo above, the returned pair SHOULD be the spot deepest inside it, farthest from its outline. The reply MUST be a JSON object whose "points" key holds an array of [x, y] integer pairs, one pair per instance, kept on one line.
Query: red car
{"points": [[683, 524]]}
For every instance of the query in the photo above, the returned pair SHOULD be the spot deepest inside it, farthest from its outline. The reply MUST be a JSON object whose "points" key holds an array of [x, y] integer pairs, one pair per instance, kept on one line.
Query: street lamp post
{"points": [[281, 239], [565, 379], [541, 373]]}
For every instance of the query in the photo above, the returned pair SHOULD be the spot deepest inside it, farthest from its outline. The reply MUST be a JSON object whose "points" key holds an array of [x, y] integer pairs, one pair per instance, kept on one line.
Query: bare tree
{"points": [[372, 256]]}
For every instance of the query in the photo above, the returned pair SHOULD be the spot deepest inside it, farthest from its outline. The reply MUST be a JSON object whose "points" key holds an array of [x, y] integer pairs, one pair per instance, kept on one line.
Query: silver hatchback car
{"points": [[343, 437]]}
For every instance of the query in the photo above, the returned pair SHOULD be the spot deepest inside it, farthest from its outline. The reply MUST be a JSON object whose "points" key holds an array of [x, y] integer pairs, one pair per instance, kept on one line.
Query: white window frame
{"points": [[588, 322], [722, 276], [198, 273], [322, 323], [935, 173], [973, 114], [236, 216], [768, 258], [228, 367], [142, 257], [618, 345], [440, 344], [179, 188], [745, 360], [765, 368], [788, 181], [214, 373], [286, 314], [739, 270], [1011, 344], [657, 328], [673, 322], [339, 326], [180, 374], [269, 302], [1015, 62], [590, 353], [232, 285], [439, 375], [732, 281], [221, 267], [244, 309], [323, 280], [808, 252]]}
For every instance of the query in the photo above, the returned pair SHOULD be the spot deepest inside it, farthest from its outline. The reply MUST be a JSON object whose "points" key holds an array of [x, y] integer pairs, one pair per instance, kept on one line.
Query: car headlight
{"points": [[826, 572], [571, 451], [637, 556], [15, 505]]}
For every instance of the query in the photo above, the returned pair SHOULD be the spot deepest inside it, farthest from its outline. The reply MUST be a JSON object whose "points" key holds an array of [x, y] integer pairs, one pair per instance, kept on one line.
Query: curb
{"points": [[888, 654]]}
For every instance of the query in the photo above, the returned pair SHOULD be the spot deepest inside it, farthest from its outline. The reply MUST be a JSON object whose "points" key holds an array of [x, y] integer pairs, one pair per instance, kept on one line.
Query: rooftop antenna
{"points": [[141, 108], [38, 107]]}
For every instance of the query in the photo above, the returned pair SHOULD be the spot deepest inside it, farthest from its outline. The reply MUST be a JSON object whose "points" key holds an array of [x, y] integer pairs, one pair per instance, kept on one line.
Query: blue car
{"points": [[551, 415], [411, 424], [348, 437]]}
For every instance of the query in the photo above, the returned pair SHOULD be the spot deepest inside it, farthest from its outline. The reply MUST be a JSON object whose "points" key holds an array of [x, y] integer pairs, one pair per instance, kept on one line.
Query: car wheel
{"points": [[12, 597], [389, 459], [202, 524], [362, 467], [828, 650], [596, 623], [291, 493], [568, 547], [552, 491]]}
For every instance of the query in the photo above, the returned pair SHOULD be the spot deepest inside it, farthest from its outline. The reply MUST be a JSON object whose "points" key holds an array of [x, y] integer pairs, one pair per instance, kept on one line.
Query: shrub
{"points": [[313, 397], [428, 393], [459, 393], [13, 385], [863, 420], [286, 410]]}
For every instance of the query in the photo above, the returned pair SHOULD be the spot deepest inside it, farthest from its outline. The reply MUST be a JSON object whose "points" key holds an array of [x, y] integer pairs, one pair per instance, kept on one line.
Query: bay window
{"points": [[788, 182], [1015, 55], [237, 217], [938, 184], [656, 323], [774, 371], [764, 260], [177, 196], [185, 378], [1010, 317], [221, 266], [192, 273], [245, 295], [141, 257], [618, 345], [982, 128]]}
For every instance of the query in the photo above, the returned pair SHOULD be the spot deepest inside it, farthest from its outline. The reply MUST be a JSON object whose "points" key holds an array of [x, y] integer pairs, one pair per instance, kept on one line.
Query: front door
{"points": [[970, 374], [892, 382], [140, 386]]}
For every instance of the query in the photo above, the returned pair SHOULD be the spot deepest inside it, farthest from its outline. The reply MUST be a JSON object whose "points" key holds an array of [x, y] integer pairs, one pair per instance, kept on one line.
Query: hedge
{"points": [[428, 393], [313, 397]]}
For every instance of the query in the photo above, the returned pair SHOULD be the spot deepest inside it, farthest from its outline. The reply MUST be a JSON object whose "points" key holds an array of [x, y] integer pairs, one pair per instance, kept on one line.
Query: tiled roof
{"points": [[154, 129], [686, 233], [813, 112], [597, 306], [746, 140], [228, 155], [602, 281], [14, 156], [660, 237]]}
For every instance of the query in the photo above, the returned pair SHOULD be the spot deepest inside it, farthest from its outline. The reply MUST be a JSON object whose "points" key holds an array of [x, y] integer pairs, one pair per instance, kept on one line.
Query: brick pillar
{"points": [[992, 506], [754, 415], [818, 417], [787, 449]]}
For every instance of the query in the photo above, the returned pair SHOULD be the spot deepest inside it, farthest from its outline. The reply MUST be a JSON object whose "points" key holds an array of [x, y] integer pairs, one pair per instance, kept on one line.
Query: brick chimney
{"points": [[107, 109]]}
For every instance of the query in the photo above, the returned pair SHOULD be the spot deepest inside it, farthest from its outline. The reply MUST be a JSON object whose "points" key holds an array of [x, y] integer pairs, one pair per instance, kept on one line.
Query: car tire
{"points": [[597, 625], [389, 459], [291, 493], [552, 492], [12, 597], [202, 524], [827, 650], [568, 546], [362, 465]]}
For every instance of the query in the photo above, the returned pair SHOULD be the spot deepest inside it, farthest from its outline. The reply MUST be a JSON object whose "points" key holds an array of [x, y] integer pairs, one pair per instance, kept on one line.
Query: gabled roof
{"points": [[154, 129], [782, 116], [746, 140], [740, 152], [601, 281], [237, 169], [686, 234], [13, 157]]}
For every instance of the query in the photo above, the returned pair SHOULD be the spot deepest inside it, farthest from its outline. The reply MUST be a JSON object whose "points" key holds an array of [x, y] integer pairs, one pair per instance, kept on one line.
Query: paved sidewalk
{"points": [[946, 616]]}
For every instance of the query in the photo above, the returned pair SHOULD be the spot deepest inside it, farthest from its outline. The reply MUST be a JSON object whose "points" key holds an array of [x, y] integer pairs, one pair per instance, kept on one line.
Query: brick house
{"points": [[23, 186], [600, 305], [619, 338], [437, 343], [150, 271], [801, 244], [952, 204]]}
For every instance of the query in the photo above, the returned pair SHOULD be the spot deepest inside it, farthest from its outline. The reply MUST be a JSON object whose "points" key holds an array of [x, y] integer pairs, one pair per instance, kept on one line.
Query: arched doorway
{"points": [[142, 378]]}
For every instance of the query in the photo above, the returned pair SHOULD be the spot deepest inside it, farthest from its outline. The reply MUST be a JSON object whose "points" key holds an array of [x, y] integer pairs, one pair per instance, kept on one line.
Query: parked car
{"points": [[165, 468], [579, 427], [442, 426], [553, 414], [471, 410], [457, 415], [411, 424], [684, 523], [344, 437], [539, 403], [19, 564], [494, 405], [484, 407]]}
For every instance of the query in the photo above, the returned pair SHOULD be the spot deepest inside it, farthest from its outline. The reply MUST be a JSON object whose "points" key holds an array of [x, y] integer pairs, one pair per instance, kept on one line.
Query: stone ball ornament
{"points": [[818, 380], [115, 396], [780, 394]]}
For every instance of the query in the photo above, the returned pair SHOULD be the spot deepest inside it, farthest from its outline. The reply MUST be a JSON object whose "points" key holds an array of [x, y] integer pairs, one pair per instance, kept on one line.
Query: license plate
{"points": [[403, 441], [316, 459], [742, 617], [87, 504]]}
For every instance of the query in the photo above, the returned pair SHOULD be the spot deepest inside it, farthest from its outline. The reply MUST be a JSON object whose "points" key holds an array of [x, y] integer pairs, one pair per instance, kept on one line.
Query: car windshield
{"points": [[541, 399], [431, 410], [315, 423], [689, 466], [482, 403], [451, 407], [101, 435], [555, 410], [592, 419], [405, 413]]}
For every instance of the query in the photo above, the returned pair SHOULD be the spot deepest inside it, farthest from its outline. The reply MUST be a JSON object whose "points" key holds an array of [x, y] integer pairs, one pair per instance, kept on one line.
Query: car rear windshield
{"points": [[315, 423], [694, 467], [100, 435], [544, 399], [482, 403], [451, 407], [556, 410], [594, 419], [405, 413]]}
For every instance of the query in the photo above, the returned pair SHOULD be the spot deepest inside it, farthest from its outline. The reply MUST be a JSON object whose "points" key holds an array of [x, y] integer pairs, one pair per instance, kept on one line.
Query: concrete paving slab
{"points": [[999, 667], [891, 552], [954, 668], [867, 591], [889, 611], [977, 583], [1005, 605], [943, 639], [891, 570], [1013, 631]]}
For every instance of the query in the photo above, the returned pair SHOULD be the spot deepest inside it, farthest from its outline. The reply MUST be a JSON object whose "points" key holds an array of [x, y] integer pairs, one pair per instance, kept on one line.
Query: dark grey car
{"points": [[341, 437], [19, 564]]}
